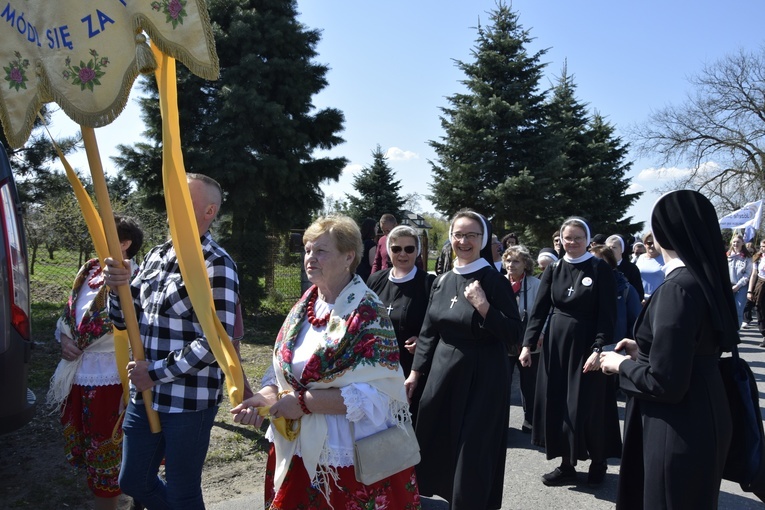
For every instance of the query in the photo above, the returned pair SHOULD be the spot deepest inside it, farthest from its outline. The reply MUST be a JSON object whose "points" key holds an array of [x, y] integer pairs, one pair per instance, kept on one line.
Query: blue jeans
{"points": [[740, 297], [183, 444]]}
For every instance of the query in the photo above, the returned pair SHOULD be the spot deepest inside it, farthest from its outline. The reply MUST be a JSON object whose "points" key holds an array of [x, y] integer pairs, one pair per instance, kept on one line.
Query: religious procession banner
{"points": [[86, 54], [747, 219]]}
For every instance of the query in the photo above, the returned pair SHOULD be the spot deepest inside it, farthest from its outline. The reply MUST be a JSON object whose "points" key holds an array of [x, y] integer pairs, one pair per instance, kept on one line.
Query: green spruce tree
{"points": [[379, 192], [592, 181], [495, 156]]}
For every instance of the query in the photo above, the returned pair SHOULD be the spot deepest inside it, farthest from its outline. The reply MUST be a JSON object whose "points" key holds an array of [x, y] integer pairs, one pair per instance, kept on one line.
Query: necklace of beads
{"points": [[311, 314]]}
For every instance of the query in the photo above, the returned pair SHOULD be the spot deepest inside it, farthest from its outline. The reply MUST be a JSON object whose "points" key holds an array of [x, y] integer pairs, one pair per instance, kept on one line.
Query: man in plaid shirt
{"points": [[180, 367]]}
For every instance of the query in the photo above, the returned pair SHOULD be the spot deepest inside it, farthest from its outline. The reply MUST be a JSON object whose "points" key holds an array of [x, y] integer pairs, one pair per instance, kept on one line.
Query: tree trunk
{"points": [[33, 259]]}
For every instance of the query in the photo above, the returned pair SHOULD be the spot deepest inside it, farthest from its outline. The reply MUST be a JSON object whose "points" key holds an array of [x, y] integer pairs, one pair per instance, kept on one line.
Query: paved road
{"points": [[526, 463]]}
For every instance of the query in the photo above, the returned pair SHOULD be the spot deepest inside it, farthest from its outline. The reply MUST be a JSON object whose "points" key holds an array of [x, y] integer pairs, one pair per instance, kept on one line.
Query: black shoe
{"points": [[597, 473], [560, 476], [526, 427], [762, 344]]}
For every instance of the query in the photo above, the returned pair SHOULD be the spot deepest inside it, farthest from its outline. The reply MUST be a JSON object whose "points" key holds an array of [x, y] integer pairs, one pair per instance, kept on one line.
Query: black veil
{"points": [[685, 221]]}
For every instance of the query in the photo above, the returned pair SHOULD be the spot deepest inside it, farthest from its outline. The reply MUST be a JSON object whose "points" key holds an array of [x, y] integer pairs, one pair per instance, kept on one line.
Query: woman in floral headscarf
{"points": [[335, 364], [86, 385]]}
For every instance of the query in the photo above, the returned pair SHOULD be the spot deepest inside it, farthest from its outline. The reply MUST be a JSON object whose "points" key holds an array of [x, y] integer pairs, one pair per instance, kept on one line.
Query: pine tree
{"points": [[33, 163], [592, 180], [523, 160], [255, 129], [494, 156], [609, 165], [379, 192]]}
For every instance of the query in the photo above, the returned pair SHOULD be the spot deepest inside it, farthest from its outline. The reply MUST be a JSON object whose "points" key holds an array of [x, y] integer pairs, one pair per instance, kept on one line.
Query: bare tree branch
{"points": [[721, 122]]}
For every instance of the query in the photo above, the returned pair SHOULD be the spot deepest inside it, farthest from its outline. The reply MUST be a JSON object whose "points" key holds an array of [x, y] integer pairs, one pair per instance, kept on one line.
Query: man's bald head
{"points": [[206, 197]]}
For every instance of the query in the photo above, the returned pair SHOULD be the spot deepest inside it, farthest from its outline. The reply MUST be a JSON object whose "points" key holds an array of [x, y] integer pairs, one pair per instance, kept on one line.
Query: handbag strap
{"points": [[735, 356]]}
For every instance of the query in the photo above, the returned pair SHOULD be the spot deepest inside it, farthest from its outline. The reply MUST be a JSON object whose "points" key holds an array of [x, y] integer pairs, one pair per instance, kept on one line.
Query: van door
{"points": [[17, 402]]}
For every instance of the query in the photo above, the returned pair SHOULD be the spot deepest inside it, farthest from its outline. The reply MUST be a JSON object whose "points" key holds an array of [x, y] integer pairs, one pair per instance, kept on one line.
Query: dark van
{"points": [[17, 402]]}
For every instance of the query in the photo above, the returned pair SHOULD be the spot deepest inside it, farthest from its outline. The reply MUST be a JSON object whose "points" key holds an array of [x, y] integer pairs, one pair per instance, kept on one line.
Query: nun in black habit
{"points": [[677, 425], [404, 290], [575, 411], [462, 421]]}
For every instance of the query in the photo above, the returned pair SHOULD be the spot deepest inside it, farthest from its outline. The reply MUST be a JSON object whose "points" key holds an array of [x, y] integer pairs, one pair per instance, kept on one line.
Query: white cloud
{"points": [[396, 154], [635, 187], [352, 169], [671, 173], [663, 174]]}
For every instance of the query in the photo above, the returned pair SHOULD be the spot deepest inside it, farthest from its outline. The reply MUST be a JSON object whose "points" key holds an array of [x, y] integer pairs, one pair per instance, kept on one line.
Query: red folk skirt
{"points": [[89, 418], [397, 492]]}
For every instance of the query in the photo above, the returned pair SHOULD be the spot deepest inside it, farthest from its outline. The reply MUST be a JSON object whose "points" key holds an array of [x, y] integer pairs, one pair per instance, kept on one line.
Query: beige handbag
{"points": [[385, 453]]}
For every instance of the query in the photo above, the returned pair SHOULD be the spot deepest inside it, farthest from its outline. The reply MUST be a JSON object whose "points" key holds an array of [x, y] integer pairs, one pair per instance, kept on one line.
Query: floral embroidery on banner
{"points": [[86, 75], [174, 10], [15, 73]]}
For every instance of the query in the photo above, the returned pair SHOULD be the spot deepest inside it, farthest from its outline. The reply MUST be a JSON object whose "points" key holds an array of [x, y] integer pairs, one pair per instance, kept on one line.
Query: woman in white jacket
{"points": [[740, 271]]}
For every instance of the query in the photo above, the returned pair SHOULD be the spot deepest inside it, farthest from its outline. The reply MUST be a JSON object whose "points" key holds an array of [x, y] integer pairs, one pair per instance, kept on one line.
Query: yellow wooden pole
{"points": [[112, 239]]}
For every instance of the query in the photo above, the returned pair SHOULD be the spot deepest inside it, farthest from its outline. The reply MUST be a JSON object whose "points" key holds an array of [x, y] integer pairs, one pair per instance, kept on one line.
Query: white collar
{"points": [[671, 266], [587, 256], [498, 265], [472, 267], [407, 277]]}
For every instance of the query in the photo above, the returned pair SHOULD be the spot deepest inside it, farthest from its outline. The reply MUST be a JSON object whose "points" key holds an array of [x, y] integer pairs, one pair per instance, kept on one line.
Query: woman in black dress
{"points": [[404, 291], [677, 425], [575, 416], [462, 422]]}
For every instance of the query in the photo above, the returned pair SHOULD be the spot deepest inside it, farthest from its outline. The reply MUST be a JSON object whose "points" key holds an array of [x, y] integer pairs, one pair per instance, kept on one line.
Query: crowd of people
{"points": [[379, 343]]}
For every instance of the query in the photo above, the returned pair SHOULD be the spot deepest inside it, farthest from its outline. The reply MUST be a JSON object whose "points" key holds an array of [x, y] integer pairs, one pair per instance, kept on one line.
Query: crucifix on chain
{"points": [[454, 300], [570, 291]]}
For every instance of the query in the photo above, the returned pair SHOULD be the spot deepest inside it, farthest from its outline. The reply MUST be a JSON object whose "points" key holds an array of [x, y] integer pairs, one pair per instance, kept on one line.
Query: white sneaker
{"points": [[744, 325]]}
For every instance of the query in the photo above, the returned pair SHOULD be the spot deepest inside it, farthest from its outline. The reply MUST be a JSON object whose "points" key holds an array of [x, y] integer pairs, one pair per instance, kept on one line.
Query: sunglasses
{"points": [[397, 249]]}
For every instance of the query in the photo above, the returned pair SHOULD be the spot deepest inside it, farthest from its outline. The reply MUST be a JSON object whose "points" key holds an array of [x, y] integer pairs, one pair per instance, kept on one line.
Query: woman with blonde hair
{"points": [[336, 375], [520, 269]]}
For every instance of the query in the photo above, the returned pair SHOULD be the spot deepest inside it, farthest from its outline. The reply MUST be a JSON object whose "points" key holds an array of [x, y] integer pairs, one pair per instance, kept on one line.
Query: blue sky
{"points": [[392, 68]]}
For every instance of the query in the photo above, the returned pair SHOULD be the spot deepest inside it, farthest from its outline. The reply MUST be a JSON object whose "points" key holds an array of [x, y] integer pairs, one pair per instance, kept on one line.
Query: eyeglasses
{"points": [[572, 240], [397, 249], [470, 236]]}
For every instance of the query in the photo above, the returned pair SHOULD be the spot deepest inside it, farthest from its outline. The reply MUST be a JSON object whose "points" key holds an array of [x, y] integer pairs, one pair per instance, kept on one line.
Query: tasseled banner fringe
{"points": [[208, 71]]}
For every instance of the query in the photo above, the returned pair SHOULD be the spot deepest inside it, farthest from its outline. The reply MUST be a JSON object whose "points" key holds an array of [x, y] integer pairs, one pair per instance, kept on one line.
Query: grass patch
{"points": [[38, 447], [47, 351]]}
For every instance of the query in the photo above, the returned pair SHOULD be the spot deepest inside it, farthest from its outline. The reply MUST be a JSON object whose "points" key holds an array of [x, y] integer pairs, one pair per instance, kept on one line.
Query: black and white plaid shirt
{"points": [[182, 363]]}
